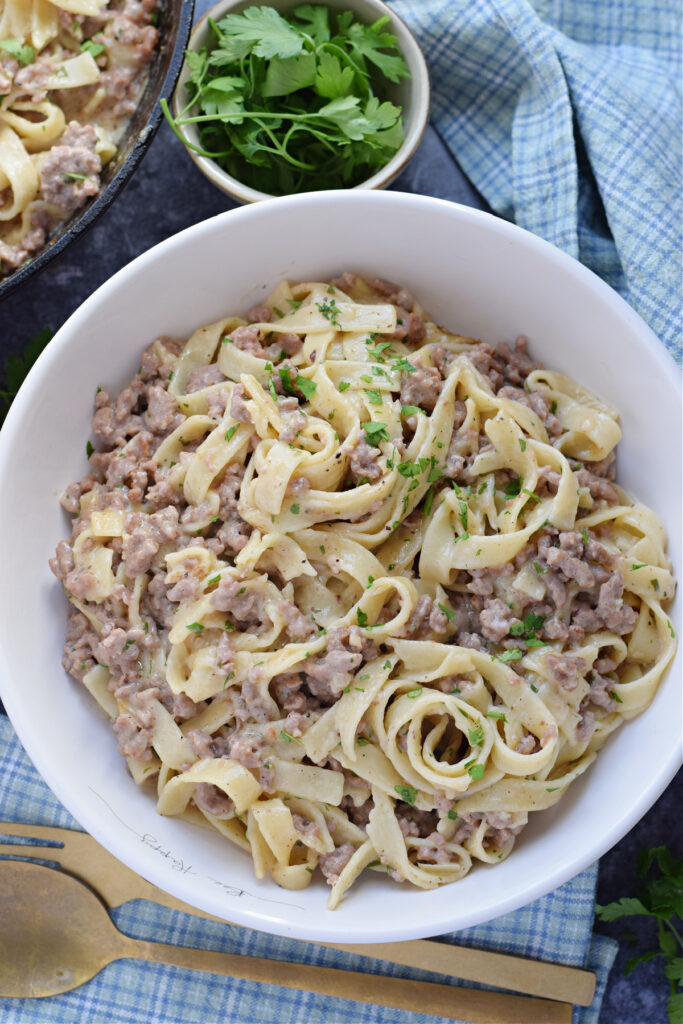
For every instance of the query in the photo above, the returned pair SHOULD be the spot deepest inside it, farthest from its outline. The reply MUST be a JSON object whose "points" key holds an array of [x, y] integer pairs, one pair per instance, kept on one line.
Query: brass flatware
{"points": [[115, 883], [56, 934]]}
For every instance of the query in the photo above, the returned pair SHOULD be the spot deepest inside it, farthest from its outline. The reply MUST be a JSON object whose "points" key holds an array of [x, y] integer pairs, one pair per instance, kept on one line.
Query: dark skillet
{"points": [[175, 21]]}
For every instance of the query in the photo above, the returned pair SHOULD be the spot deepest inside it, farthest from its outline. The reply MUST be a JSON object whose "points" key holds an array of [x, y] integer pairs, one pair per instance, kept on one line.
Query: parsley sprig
{"points": [[659, 894], [17, 369], [295, 104]]}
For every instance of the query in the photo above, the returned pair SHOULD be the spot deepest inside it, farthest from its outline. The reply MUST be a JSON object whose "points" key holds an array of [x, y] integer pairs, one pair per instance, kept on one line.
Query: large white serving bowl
{"points": [[476, 274]]}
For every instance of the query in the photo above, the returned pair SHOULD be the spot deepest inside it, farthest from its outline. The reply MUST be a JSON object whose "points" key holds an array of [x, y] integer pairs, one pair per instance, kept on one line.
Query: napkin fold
{"points": [[557, 928], [567, 118]]}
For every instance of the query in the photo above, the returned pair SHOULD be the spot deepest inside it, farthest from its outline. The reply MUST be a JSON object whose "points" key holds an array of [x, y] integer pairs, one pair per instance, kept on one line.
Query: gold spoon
{"points": [[55, 934]]}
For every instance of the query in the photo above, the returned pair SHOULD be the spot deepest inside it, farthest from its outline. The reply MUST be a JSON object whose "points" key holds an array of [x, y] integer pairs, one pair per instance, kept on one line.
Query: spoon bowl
{"points": [[55, 934]]}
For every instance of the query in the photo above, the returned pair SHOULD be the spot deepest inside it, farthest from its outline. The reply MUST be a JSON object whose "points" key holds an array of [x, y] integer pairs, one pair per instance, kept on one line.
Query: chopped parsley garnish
{"points": [[512, 654], [362, 741], [294, 509], [375, 432], [344, 384], [374, 397], [75, 176], [429, 499], [638, 565], [306, 387], [24, 54], [330, 310], [214, 579], [376, 350], [538, 568], [231, 431], [94, 49], [402, 365], [671, 629], [196, 627], [407, 793], [89, 449], [412, 410], [450, 615], [531, 494], [615, 696], [522, 443], [496, 714], [417, 692], [512, 488], [476, 735], [476, 772], [362, 617], [387, 664], [294, 303], [453, 815]]}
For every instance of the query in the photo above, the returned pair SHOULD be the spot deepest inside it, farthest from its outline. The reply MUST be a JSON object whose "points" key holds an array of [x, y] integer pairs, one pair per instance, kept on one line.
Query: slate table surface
{"points": [[167, 193]]}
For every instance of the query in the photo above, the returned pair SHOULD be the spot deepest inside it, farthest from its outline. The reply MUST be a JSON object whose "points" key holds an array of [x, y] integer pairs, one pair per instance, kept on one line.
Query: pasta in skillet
{"points": [[357, 591], [71, 72]]}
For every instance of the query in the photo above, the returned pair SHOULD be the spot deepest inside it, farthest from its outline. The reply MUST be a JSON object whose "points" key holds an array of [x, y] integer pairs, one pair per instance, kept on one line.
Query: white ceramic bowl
{"points": [[480, 276], [412, 94]]}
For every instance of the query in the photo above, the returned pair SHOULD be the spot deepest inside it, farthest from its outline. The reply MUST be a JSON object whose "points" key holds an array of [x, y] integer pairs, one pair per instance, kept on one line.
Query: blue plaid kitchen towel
{"points": [[567, 118], [557, 927]]}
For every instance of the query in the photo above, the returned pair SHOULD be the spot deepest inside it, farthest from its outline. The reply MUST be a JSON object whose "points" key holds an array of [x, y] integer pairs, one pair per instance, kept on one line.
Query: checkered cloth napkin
{"points": [[567, 118], [557, 928]]}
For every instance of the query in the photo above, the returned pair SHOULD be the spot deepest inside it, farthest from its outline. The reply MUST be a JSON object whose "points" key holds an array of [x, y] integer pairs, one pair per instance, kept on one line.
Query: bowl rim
{"points": [[106, 197], [112, 836], [420, 89]]}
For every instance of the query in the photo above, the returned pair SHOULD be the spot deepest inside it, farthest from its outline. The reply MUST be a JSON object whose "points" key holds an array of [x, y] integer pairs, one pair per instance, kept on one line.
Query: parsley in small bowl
{"points": [[294, 97]]}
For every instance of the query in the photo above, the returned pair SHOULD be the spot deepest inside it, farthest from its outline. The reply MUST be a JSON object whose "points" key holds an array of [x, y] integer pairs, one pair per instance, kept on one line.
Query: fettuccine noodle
{"points": [[358, 592]]}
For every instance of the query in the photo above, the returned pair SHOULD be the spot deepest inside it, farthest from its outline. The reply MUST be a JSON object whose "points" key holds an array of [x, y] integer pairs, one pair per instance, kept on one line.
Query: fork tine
{"points": [[31, 850], [35, 832]]}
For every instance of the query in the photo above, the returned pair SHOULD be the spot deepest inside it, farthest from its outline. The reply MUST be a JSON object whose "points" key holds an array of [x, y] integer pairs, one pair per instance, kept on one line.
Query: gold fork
{"points": [[82, 856]]}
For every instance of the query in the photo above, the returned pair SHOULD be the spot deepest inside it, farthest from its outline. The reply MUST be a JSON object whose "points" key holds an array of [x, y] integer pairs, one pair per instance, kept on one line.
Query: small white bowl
{"points": [[412, 94], [475, 273]]}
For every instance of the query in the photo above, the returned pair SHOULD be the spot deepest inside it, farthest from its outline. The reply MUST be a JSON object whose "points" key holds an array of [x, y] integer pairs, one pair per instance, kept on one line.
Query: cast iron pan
{"points": [[175, 21]]}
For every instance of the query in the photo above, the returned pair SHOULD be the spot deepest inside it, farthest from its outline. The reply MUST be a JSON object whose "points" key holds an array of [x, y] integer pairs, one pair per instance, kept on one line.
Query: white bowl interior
{"points": [[412, 94], [477, 275]]}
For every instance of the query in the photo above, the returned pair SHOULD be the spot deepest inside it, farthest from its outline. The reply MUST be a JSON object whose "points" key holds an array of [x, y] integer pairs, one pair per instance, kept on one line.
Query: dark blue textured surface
{"points": [[168, 194]]}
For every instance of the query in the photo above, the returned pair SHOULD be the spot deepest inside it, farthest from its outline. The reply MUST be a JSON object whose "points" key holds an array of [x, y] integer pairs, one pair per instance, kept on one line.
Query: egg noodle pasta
{"points": [[357, 592]]}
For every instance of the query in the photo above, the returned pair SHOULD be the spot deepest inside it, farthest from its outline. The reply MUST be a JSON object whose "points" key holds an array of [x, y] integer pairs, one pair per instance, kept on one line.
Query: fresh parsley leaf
{"points": [[261, 31], [196, 627], [17, 368], [369, 43], [288, 74], [362, 617], [658, 894], [231, 431], [331, 80]]}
